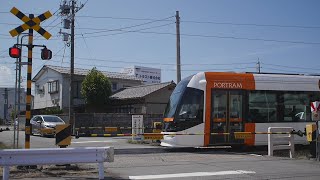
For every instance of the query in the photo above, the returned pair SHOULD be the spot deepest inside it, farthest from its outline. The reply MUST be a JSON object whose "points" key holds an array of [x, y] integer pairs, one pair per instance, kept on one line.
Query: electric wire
{"points": [[123, 32], [215, 36], [46, 61], [128, 27], [204, 22], [85, 42]]}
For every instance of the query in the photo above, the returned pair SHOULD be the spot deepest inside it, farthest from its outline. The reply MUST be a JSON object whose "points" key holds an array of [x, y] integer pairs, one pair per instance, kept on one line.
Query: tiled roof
{"points": [[84, 72], [139, 91]]}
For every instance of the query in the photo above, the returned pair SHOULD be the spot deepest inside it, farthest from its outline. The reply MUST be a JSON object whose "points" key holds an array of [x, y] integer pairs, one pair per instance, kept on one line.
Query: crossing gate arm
{"points": [[43, 156]]}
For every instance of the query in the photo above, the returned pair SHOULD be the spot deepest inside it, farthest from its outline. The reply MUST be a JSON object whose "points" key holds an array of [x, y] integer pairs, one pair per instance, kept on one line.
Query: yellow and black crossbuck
{"points": [[33, 23]]}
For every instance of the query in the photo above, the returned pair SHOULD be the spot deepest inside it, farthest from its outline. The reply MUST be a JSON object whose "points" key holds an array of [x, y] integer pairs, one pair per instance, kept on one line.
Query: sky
{"points": [[216, 35]]}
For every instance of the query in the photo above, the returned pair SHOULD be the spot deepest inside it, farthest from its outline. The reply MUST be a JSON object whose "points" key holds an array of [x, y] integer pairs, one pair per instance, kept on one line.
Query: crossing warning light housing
{"points": [[46, 54], [14, 52]]}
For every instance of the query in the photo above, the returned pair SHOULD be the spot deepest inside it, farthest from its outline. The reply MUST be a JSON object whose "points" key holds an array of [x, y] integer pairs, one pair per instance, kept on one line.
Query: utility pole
{"points": [[178, 47], [71, 115], [258, 66], [69, 9]]}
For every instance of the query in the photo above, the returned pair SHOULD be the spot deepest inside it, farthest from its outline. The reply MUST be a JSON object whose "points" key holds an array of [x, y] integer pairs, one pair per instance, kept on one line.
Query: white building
{"points": [[9, 104], [52, 86], [147, 74]]}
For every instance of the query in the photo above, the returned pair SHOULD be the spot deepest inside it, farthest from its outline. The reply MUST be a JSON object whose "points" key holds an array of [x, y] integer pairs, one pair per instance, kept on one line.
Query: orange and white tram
{"points": [[210, 103]]}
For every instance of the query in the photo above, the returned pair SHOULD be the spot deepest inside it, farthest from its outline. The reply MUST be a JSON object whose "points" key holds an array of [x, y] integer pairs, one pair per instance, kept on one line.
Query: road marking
{"points": [[194, 174], [258, 155], [82, 142]]}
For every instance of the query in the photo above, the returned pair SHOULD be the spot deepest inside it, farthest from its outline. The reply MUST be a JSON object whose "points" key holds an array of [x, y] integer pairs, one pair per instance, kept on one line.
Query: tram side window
{"points": [[262, 106], [296, 106]]}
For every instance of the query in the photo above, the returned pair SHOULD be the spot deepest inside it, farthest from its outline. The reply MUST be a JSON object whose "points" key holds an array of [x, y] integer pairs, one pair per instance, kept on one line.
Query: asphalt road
{"points": [[137, 161]]}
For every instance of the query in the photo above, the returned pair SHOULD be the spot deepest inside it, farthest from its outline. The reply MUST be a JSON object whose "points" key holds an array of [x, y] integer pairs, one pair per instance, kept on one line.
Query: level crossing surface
{"points": [[143, 161]]}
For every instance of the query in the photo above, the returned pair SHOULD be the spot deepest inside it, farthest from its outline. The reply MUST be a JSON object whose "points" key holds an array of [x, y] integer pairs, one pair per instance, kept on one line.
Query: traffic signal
{"points": [[14, 52], [46, 54]]}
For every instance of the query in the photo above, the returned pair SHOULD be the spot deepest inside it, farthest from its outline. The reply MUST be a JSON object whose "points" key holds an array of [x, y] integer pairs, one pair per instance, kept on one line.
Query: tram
{"points": [[210, 103]]}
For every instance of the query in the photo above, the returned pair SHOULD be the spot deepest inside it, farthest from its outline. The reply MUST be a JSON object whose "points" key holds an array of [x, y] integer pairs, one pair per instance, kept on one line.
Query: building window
{"points": [[53, 87], [114, 86], [77, 85]]}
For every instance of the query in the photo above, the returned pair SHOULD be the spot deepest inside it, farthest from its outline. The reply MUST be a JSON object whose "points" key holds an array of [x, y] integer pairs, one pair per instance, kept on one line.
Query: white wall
{"points": [[44, 99]]}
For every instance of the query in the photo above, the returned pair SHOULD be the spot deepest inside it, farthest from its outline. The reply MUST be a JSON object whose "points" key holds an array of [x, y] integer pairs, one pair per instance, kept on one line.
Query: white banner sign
{"points": [[137, 127]]}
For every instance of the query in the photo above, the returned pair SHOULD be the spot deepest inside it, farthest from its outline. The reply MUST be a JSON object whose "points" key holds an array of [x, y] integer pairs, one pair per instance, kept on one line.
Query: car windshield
{"points": [[52, 119]]}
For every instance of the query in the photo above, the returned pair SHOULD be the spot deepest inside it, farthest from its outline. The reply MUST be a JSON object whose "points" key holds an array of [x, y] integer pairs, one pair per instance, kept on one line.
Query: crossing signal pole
{"points": [[31, 23]]}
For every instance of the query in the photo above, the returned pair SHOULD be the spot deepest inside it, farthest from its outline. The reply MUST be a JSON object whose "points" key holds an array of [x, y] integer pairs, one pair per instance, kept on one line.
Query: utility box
{"points": [[157, 127], [311, 132]]}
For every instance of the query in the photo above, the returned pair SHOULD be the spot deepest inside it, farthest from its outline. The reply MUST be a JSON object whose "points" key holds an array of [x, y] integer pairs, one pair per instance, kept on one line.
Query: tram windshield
{"points": [[175, 97], [185, 107]]}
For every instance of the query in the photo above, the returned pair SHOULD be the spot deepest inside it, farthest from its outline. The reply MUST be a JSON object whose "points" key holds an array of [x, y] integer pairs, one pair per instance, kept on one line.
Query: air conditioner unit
{"points": [[40, 90], [55, 102]]}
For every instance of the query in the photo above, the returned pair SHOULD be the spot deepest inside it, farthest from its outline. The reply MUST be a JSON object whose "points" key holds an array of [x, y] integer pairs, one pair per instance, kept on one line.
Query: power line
{"points": [[205, 22], [38, 67], [199, 22], [129, 27], [253, 24], [123, 32], [152, 63], [215, 36]]}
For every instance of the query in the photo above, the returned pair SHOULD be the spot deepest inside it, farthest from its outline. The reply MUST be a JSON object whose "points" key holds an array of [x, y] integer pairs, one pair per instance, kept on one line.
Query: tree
{"points": [[96, 89]]}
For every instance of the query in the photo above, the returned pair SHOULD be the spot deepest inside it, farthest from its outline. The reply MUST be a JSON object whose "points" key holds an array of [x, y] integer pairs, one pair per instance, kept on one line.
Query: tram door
{"points": [[226, 116]]}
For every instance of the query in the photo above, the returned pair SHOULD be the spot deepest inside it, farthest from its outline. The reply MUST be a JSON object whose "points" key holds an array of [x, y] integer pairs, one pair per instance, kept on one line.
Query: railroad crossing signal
{"points": [[33, 23], [46, 54], [15, 52]]}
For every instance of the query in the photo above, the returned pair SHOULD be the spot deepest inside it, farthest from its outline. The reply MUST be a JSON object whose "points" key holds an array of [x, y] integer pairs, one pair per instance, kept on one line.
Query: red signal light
{"points": [[46, 54], [14, 52]]}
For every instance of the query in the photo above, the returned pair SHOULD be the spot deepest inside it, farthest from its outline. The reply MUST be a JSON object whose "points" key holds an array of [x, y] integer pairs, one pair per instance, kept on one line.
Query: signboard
{"points": [[137, 127], [147, 74], [315, 110], [243, 135], [153, 136], [63, 135]]}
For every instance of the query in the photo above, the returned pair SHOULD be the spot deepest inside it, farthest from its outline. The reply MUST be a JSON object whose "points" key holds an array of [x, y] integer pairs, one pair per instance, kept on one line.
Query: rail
{"points": [[45, 156], [299, 133]]}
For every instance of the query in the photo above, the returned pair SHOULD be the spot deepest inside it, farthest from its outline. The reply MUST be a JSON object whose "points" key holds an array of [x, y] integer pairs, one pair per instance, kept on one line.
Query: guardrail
{"points": [[280, 141], [44, 156]]}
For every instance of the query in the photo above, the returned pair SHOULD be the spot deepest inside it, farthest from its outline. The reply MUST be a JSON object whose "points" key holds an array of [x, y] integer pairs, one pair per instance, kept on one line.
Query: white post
{"points": [[291, 143], [270, 146], [6, 171], [101, 171], [278, 141]]}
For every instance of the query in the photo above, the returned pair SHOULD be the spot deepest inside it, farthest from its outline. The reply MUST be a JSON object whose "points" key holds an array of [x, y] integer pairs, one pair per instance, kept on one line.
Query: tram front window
{"points": [[189, 111]]}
